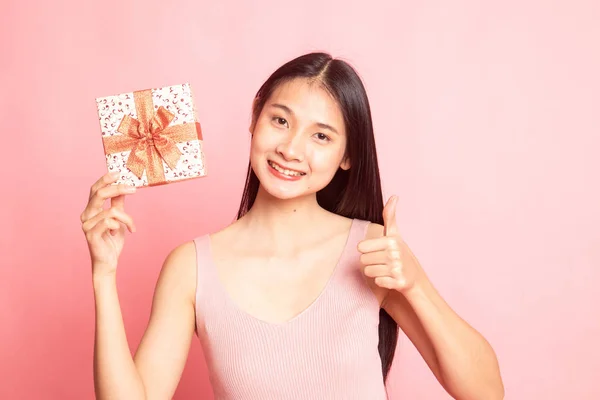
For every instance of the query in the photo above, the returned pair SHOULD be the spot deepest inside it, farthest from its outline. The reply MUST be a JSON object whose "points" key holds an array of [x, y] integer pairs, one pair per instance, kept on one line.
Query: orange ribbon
{"points": [[150, 139]]}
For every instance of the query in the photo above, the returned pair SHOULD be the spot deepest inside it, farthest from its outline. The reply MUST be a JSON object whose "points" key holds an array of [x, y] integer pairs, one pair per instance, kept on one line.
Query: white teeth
{"points": [[284, 171]]}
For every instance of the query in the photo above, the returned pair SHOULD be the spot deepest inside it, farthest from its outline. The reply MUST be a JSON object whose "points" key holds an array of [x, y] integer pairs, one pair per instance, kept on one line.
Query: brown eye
{"points": [[322, 136], [278, 120]]}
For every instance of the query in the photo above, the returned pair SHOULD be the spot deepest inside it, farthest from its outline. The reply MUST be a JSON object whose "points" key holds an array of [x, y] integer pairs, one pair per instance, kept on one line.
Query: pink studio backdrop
{"points": [[487, 125]]}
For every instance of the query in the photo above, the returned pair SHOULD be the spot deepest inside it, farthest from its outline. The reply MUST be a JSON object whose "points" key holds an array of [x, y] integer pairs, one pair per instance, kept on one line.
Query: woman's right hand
{"points": [[105, 229]]}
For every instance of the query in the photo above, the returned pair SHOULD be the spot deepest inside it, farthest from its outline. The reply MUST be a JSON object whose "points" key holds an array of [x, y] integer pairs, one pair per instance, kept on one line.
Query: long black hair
{"points": [[352, 193]]}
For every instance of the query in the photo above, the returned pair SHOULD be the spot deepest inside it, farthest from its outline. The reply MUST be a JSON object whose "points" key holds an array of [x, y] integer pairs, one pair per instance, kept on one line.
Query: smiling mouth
{"points": [[285, 171]]}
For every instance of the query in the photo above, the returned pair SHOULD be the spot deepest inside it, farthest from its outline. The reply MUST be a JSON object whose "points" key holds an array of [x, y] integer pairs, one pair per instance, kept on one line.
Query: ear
{"points": [[345, 165]]}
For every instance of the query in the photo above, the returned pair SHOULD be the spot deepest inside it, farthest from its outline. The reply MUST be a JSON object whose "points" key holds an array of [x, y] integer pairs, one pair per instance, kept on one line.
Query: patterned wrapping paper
{"points": [[152, 137]]}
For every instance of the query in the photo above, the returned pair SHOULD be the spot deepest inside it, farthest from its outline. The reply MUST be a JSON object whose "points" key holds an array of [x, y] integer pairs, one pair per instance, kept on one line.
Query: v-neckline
{"points": [[231, 303]]}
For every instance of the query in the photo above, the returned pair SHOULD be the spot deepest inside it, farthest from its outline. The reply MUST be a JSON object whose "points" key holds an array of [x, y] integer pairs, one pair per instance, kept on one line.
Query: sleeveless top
{"points": [[328, 351]]}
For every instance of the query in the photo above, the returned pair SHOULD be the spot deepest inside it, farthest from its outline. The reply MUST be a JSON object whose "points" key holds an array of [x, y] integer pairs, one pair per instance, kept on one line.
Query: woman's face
{"points": [[299, 140]]}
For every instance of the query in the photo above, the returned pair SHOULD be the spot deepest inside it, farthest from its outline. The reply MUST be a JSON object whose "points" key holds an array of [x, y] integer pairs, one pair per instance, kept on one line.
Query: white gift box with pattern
{"points": [[152, 137]]}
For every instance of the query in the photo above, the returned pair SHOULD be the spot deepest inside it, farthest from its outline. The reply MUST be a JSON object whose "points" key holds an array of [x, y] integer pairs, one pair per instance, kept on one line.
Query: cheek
{"points": [[326, 161], [264, 139], [259, 144]]}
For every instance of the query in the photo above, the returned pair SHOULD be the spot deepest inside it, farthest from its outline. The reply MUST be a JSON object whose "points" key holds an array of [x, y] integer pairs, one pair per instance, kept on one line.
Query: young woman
{"points": [[302, 296]]}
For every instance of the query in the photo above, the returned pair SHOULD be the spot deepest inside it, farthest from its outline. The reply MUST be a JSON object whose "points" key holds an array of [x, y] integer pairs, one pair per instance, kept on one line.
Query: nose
{"points": [[292, 149]]}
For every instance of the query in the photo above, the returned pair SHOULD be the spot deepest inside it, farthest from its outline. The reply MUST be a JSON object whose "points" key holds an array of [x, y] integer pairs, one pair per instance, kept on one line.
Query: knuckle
{"points": [[101, 192], [393, 254], [389, 254]]}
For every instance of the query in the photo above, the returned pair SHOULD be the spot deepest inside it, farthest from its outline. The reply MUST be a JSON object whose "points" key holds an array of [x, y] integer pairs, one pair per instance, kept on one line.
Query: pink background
{"points": [[487, 124]]}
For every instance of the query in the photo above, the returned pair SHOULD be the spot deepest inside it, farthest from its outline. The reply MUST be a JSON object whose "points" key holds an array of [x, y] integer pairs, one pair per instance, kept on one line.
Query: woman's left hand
{"points": [[388, 259]]}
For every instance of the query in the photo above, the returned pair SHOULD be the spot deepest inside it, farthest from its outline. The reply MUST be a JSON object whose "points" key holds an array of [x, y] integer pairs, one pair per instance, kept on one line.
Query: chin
{"points": [[279, 194], [283, 190], [286, 192]]}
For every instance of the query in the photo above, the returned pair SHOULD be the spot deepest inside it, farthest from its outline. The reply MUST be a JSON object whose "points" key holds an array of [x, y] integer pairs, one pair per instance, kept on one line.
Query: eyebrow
{"points": [[289, 110]]}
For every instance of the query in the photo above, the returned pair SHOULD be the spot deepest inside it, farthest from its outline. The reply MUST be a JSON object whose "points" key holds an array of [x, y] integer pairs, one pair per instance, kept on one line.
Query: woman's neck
{"points": [[285, 224]]}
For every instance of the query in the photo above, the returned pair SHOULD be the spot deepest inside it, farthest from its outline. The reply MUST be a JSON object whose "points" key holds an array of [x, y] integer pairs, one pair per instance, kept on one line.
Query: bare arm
{"points": [[115, 374], [156, 369], [164, 348], [459, 356]]}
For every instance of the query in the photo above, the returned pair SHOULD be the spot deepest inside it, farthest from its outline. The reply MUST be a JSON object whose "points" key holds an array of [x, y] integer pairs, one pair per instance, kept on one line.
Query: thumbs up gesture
{"points": [[388, 259]]}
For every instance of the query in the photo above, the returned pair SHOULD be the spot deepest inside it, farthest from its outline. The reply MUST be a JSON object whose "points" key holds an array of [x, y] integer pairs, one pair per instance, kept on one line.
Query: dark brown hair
{"points": [[355, 193]]}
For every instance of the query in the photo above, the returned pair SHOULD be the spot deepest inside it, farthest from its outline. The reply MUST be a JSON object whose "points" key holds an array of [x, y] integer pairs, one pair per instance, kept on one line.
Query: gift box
{"points": [[152, 137]]}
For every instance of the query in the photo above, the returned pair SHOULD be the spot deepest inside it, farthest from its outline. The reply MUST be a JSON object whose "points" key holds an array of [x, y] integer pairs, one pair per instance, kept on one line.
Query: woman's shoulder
{"points": [[182, 252], [179, 268], [184, 255]]}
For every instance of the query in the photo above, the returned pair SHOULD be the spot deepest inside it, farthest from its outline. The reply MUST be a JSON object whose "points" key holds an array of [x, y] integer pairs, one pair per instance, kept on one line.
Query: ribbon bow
{"points": [[150, 139]]}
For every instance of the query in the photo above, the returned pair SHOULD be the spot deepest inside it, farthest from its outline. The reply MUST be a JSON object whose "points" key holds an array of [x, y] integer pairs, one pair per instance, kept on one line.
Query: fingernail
{"points": [[114, 175], [130, 189]]}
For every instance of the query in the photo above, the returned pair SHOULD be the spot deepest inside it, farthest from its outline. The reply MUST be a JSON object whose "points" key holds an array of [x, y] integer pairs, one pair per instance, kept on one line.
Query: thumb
{"points": [[390, 227]]}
